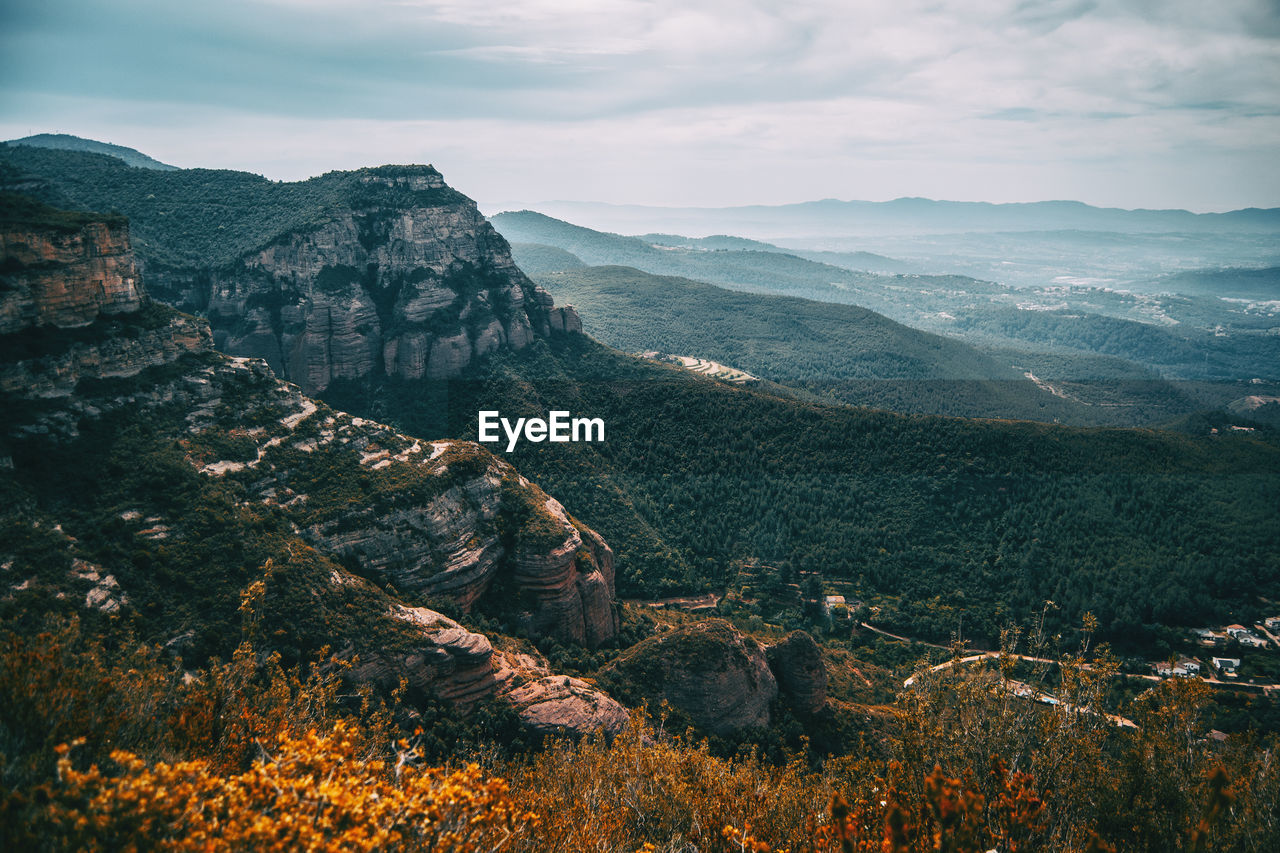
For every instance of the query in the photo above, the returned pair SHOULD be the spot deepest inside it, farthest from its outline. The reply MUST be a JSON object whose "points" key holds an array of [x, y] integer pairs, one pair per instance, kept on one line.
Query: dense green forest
{"points": [[930, 517], [195, 218]]}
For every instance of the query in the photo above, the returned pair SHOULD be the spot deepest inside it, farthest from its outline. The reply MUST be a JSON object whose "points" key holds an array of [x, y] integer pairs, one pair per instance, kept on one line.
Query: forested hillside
{"points": [[844, 353], [198, 218], [930, 517]]}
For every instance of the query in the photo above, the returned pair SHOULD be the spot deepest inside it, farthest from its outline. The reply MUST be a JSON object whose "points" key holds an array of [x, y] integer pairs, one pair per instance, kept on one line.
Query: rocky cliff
{"points": [[405, 278], [65, 273], [434, 519], [797, 665], [205, 459], [709, 671], [72, 304]]}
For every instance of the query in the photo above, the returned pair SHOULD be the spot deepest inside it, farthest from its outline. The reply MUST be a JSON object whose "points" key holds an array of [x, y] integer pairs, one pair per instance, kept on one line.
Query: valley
{"points": [[248, 499], [1145, 324]]}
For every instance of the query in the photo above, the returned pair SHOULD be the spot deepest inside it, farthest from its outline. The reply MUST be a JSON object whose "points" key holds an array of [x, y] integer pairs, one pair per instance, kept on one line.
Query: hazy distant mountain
{"points": [[1230, 282], [831, 217], [1210, 341], [728, 261], [868, 261], [67, 142]]}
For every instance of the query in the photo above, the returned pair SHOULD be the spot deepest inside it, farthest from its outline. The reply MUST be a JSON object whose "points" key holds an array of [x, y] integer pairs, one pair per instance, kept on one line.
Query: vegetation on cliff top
{"points": [[935, 516], [17, 209], [206, 218]]}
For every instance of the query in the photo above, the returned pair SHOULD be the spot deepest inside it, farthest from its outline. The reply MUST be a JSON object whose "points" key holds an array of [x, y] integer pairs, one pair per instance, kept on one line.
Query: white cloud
{"points": [[666, 101]]}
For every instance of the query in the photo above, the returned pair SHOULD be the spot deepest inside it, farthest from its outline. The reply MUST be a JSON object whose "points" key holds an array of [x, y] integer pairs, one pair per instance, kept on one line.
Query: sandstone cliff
{"points": [[405, 279], [65, 274], [709, 671], [797, 665], [62, 274], [374, 523]]}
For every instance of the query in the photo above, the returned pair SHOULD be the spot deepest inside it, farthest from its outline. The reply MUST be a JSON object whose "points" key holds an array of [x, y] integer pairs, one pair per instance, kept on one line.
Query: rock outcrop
{"points": [[66, 274], [709, 671], [558, 704], [388, 519], [797, 665], [406, 279], [446, 660], [64, 271]]}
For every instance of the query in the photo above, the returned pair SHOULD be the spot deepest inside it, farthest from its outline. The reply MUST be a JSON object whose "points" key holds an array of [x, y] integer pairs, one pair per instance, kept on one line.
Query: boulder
{"points": [[709, 671], [797, 665]]}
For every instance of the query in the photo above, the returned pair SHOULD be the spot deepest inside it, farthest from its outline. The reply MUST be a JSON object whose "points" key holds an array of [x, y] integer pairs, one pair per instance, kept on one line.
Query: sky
{"points": [[1131, 103]]}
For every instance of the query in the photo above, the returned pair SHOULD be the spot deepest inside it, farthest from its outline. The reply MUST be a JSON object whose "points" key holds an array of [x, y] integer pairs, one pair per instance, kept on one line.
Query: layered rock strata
{"points": [[709, 671], [66, 276], [70, 277], [428, 518], [409, 281]]}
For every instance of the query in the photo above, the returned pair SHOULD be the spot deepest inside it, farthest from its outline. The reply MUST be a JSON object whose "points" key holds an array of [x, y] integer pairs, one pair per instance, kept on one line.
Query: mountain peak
{"points": [[67, 142]]}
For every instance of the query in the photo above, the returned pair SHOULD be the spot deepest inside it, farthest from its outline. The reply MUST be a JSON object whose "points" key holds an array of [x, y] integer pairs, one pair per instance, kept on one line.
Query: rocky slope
{"points": [[709, 671], [434, 519], [797, 664], [404, 279], [354, 526]]}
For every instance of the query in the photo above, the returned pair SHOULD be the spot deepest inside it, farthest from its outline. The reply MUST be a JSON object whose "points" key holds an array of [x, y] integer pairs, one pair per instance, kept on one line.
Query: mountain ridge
{"points": [[68, 142], [832, 217]]}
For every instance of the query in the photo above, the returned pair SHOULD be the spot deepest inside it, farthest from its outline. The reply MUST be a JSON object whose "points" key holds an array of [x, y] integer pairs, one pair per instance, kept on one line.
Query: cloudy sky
{"points": [[1132, 103]]}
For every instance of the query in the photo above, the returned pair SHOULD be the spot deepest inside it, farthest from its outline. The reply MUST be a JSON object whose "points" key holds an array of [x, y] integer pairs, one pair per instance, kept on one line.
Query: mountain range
{"points": [[834, 218], [252, 546]]}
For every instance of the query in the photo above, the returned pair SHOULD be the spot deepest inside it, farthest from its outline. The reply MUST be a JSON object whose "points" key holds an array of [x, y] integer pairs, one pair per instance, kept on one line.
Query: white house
{"points": [[1181, 669], [1226, 666], [834, 605], [1245, 637]]}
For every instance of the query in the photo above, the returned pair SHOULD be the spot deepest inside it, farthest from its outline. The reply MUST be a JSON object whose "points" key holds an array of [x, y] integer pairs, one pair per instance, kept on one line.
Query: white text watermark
{"points": [[559, 426]]}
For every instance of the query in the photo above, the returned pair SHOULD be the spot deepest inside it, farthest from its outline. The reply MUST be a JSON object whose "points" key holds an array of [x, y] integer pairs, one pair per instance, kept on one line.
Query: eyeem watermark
{"points": [[558, 426]]}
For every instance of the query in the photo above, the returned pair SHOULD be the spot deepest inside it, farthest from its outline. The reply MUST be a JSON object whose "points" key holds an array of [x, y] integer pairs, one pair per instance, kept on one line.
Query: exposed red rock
{"points": [[66, 278]]}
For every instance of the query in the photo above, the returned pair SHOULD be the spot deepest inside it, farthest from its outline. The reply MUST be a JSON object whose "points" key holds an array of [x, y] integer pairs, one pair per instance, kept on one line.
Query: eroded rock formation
{"points": [[66, 276], [408, 280], [372, 509], [797, 665], [709, 670]]}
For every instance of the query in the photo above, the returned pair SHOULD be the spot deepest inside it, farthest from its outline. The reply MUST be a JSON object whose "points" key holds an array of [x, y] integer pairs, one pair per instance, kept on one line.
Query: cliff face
{"points": [[709, 670], [373, 522], [58, 280], [797, 664], [408, 280], [66, 277]]}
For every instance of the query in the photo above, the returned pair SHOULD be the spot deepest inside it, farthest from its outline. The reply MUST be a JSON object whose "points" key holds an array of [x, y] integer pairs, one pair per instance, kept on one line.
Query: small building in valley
{"points": [[1226, 667]]}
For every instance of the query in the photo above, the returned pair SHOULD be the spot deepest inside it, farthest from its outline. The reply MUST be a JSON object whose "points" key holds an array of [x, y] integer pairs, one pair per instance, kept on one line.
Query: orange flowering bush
{"points": [[313, 792], [953, 817]]}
